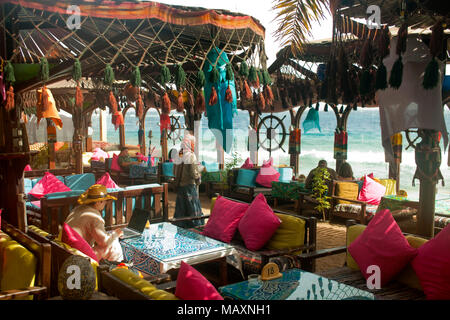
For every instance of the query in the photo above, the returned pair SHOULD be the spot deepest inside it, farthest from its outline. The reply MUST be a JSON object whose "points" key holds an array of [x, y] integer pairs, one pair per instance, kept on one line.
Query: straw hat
{"points": [[95, 193]]}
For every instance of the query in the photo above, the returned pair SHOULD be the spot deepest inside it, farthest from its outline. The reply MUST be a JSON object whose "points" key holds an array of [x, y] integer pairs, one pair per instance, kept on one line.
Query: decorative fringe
{"points": [[113, 102], [180, 102], [261, 101], [395, 80], [213, 97], [76, 71], [165, 103], [200, 104], [79, 97], [381, 77], [44, 69], [109, 76], [9, 73], [165, 75], [431, 76], [229, 72], [214, 76], [247, 91], [180, 77], [229, 95], [200, 80], [9, 99], [243, 69]]}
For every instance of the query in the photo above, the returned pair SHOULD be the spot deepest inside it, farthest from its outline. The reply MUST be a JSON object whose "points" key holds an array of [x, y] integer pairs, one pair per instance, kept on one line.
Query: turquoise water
{"points": [[365, 152]]}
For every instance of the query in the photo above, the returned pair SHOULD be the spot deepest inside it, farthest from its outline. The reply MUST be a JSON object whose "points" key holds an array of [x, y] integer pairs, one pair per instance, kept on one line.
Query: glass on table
{"points": [[253, 280]]}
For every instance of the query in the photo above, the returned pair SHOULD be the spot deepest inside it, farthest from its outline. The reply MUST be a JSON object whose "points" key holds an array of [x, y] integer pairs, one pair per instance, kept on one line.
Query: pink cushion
{"points": [[382, 244], [141, 157], [73, 239], [258, 224], [192, 285], [371, 191], [248, 164], [27, 168], [98, 154], [48, 184], [107, 181], [267, 174], [224, 219], [432, 266], [115, 163]]}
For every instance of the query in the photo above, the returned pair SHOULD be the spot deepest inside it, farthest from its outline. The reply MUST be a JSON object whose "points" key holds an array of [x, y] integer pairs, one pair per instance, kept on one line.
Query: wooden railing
{"points": [[117, 213]]}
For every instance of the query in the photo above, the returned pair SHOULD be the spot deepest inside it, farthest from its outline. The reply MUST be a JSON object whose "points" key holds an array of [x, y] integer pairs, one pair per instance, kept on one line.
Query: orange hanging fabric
{"points": [[140, 107], [213, 97], [165, 103], [200, 103], [117, 119], [164, 121], [113, 102], [247, 91], [180, 102], [79, 100], [229, 95], [10, 99], [46, 107]]}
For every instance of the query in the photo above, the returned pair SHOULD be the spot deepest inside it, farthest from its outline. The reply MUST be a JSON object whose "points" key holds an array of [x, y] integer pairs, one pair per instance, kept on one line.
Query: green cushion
{"points": [[290, 233]]}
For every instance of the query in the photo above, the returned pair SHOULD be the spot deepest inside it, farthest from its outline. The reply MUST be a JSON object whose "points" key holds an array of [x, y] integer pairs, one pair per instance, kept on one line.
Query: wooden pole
{"points": [[164, 150], [51, 140]]}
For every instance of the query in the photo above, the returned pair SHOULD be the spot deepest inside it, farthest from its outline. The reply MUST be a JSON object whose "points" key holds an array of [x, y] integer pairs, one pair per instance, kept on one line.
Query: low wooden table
{"points": [[295, 284], [163, 246]]}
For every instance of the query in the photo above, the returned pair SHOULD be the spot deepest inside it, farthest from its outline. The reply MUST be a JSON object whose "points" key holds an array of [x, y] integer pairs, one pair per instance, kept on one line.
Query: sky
{"points": [[262, 11]]}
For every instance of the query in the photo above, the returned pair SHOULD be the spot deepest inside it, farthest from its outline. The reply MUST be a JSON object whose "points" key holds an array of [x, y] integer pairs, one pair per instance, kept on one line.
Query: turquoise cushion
{"points": [[247, 177], [80, 181], [27, 184], [285, 174], [36, 180], [211, 166], [142, 186], [167, 169], [66, 194]]}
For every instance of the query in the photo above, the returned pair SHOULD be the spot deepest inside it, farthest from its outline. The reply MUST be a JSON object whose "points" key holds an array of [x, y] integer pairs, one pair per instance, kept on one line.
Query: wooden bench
{"points": [[54, 211], [405, 286], [42, 252]]}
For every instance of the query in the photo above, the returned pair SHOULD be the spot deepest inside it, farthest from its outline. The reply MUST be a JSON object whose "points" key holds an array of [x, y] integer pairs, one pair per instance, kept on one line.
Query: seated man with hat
{"points": [[87, 220]]}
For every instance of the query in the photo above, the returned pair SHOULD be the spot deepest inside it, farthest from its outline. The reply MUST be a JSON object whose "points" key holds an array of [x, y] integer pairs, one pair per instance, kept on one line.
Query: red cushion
{"points": [[107, 181], [73, 239], [432, 266], [371, 191], [115, 163], [192, 285], [267, 174], [27, 168], [48, 184], [382, 244], [258, 224], [224, 219], [248, 164]]}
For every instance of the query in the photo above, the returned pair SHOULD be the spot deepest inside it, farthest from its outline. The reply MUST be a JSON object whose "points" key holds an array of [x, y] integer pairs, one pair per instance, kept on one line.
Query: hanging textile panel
{"points": [[340, 145], [396, 141], [295, 141], [311, 121]]}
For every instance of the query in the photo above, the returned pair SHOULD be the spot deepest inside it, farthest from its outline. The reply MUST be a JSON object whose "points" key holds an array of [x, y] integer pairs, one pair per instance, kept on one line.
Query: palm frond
{"points": [[295, 19]]}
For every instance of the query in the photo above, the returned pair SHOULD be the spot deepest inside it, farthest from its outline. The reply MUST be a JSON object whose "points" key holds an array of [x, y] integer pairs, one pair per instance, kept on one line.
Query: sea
{"points": [[365, 152]]}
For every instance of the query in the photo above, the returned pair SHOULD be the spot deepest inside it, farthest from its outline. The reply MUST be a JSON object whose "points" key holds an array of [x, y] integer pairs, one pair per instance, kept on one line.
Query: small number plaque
{"points": [[270, 271]]}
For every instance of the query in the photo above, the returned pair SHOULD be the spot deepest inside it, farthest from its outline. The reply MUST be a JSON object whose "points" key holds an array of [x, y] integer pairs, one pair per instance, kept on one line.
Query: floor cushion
{"points": [[382, 244], [48, 184], [192, 285]]}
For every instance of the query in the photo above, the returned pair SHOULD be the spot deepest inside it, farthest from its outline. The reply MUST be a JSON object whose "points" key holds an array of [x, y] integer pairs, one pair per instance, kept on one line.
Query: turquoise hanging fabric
{"points": [[220, 116], [311, 121]]}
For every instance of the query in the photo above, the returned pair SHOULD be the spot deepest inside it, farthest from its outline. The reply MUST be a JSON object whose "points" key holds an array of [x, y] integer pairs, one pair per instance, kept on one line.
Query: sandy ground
{"points": [[328, 235]]}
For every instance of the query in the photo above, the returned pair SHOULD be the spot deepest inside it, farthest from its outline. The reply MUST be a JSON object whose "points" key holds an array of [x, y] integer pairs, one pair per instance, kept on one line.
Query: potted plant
{"points": [[320, 190]]}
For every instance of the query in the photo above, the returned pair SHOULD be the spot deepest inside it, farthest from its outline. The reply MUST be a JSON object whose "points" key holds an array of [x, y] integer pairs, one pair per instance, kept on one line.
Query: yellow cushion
{"points": [[19, 267], [347, 190], [213, 202], [352, 233], [38, 231], [408, 275], [290, 233], [142, 285], [390, 185]]}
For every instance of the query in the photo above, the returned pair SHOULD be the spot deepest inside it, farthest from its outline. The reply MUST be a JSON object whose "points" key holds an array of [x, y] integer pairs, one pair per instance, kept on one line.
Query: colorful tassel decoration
{"points": [[395, 80], [9, 73], [381, 77], [229, 72], [200, 104], [431, 76], [117, 119], [45, 99], [44, 71], [200, 80], [76, 71], [113, 102], [247, 91], [261, 101], [165, 103], [228, 95], [190, 98], [164, 121], [9, 99], [79, 100], [180, 77], [243, 70], [253, 78], [213, 97], [109, 76], [180, 102], [165, 75], [268, 94], [139, 107], [214, 76], [135, 78]]}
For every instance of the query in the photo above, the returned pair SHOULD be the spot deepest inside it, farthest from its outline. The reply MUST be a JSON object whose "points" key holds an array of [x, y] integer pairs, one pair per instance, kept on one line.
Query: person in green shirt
{"points": [[125, 161]]}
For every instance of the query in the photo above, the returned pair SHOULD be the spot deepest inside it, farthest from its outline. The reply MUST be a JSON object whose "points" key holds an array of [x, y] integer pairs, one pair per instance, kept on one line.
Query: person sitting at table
{"points": [[310, 178], [125, 161], [86, 219], [345, 172], [187, 177]]}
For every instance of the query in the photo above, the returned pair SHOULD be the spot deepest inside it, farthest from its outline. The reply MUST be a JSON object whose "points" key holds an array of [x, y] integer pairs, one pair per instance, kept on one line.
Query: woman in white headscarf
{"points": [[187, 175]]}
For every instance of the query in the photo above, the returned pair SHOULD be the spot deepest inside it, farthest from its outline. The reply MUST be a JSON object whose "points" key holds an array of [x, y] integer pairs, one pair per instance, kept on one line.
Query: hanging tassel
{"points": [[164, 121], [10, 78], [165, 103], [180, 77], [384, 43], [229, 72], [395, 80], [140, 107], [164, 75], [76, 71], [213, 96], [268, 94], [200, 104], [180, 102], [366, 54], [45, 99], [317, 106], [381, 77], [190, 98], [261, 101], [247, 91], [431, 76], [402, 38], [214, 76], [243, 70], [79, 97], [365, 83], [113, 102], [229, 95], [9, 99], [200, 80], [135, 78], [253, 78], [109, 76], [44, 71], [117, 120]]}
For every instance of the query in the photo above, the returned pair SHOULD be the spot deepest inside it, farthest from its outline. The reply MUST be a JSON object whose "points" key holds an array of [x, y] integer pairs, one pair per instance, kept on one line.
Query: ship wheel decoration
{"points": [[271, 133], [176, 129], [411, 136]]}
